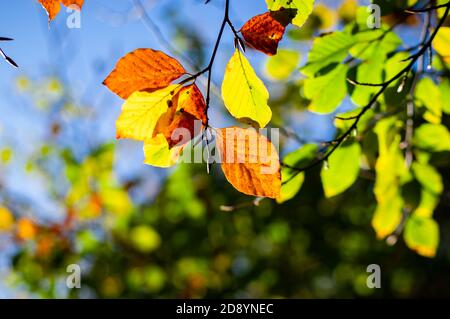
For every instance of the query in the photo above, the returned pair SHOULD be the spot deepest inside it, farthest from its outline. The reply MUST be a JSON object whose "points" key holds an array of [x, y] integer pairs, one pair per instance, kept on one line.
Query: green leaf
{"points": [[331, 48], [422, 235], [428, 95], [395, 64], [303, 8], [243, 92], [370, 71], [327, 92], [374, 41], [291, 180], [432, 188], [432, 137], [444, 87], [428, 203], [343, 124], [428, 177], [145, 238], [342, 170], [283, 64]]}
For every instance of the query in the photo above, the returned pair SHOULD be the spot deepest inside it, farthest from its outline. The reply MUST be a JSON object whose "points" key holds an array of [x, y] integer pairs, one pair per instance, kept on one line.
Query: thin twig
{"points": [[427, 9], [338, 141]]}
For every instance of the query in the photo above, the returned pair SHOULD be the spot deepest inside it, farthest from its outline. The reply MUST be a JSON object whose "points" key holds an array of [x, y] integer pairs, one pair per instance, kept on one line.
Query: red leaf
{"points": [[265, 31]]}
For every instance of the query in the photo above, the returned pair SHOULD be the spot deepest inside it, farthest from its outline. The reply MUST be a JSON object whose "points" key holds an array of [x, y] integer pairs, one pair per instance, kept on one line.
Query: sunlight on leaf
{"points": [[326, 92], [157, 152], [442, 43], [291, 179], [421, 234], [250, 162], [326, 50], [428, 95], [142, 111], [264, 32], [342, 170], [54, 6], [432, 137], [143, 70], [391, 173], [244, 94]]}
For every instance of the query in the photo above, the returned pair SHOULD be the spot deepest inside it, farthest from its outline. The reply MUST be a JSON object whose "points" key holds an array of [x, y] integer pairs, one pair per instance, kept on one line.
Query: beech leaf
{"points": [[143, 70], [142, 111], [244, 94], [250, 162], [264, 32], [54, 6]]}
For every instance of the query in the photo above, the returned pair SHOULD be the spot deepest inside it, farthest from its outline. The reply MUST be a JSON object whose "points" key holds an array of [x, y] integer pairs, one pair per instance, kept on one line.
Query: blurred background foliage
{"points": [[182, 233]]}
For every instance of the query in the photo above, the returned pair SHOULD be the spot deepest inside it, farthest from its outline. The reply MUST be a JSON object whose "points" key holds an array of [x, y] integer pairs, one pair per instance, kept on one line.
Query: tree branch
{"points": [[338, 141]]}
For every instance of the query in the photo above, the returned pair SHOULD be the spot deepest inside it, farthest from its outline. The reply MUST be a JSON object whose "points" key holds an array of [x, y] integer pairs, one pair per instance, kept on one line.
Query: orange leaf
{"points": [[143, 70], [191, 101], [26, 229], [265, 31], [250, 161], [53, 6], [189, 107]]}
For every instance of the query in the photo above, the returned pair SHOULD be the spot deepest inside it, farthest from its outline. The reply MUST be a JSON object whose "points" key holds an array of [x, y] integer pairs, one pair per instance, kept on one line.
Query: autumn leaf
{"points": [[142, 111], [143, 70], [250, 161], [54, 6], [26, 229], [265, 31], [243, 92], [6, 219], [176, 127], [178, 124], [191, 101], [159, 153]]}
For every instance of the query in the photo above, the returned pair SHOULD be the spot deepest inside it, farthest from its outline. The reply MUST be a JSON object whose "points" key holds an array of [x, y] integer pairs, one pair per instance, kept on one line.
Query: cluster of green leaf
{"points": [[338, 67]]}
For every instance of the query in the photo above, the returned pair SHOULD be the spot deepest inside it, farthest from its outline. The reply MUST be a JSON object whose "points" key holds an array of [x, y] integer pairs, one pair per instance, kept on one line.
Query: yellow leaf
{"points": [[6, 219], [141, 112], [442, 43], [244, 94], [157, 152], [388, 215]]}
